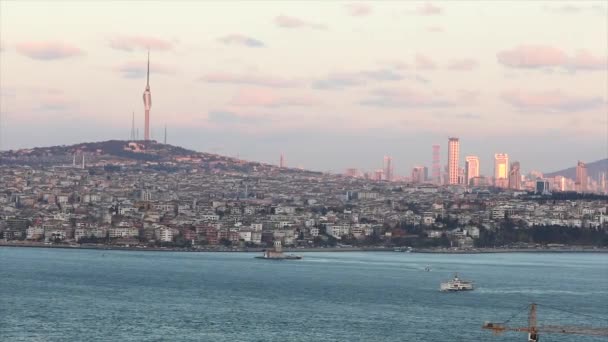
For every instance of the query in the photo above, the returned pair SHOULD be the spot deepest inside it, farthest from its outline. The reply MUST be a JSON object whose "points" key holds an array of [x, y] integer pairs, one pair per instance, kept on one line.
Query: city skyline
{"points": [[242, 87]]}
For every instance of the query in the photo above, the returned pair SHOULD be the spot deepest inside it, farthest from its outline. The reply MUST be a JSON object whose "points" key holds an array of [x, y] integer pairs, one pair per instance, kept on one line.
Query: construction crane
{"points": [[533, 329]]}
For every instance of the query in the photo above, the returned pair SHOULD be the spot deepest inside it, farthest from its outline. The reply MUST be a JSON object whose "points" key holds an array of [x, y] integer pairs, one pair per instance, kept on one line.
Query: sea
{"points": [[101, 295]]}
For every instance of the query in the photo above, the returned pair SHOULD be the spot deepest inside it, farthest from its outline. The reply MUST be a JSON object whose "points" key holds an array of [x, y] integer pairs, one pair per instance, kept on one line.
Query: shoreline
{"points": [[571, 249]]}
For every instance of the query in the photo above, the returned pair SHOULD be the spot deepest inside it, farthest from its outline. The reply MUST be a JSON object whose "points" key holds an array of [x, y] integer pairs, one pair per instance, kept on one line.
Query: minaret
{"points": [[147, 102], [165, 140]]}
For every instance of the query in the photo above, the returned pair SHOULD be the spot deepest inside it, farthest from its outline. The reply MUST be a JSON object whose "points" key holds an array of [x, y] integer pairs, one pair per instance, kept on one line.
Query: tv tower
{"points": [[147, 102]]}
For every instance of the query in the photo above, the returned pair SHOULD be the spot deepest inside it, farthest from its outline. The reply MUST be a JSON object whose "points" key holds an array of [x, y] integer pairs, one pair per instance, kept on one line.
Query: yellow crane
{"points": [[533, 329]]}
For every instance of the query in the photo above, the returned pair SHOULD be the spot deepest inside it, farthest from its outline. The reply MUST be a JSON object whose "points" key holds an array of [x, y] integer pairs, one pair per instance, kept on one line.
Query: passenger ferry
{"points": [[457, 284]]}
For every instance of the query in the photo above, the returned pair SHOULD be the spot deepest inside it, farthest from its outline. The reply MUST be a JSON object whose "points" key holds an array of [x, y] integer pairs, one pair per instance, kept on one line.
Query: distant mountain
{"points": [[593, 169], [121, 151]]}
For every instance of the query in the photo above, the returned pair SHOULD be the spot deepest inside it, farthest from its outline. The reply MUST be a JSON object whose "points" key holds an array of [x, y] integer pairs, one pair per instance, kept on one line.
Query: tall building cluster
{"points": [[506, 175]]}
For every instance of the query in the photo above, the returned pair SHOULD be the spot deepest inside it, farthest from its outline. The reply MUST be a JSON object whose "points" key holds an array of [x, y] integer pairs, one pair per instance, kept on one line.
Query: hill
{"points": [[114, 152], [593, 169]]}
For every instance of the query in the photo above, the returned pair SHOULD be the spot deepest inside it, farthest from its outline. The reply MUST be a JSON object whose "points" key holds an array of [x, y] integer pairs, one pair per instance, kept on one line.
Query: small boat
{"points": [[277, 254], [457, 284], [427, 268]]}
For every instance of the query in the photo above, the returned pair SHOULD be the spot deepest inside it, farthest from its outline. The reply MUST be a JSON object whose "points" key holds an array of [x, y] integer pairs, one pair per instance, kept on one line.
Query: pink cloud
{"points": [[239, 39], [267, 98], [551, 101], [539, 56], [429, 9], [138, 69], [584, 60], [532, 56], [48, 50], [465, 64], [293, 22], [132, 43], [259, 80], [359, 9], [424, 62]]}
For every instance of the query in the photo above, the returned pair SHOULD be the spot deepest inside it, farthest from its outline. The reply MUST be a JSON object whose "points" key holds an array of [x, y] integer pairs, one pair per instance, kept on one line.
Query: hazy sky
{"points": [[330, 84]]}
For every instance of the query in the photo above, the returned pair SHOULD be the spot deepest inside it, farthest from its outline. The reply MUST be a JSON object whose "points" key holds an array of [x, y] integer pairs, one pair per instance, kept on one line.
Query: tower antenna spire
{"points": [[148, 74], [133, 126]]}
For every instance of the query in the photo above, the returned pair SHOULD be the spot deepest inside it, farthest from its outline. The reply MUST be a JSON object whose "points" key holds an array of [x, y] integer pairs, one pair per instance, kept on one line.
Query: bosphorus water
{"points": [[96, 295]]}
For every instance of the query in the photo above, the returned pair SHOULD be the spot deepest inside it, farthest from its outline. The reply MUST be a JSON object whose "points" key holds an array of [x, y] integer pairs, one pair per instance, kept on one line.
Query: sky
{"points": [[331, 85]]}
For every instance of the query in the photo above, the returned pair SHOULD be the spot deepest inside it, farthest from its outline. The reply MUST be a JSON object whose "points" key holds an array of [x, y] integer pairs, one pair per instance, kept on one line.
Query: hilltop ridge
{"points": [[131, 152]]}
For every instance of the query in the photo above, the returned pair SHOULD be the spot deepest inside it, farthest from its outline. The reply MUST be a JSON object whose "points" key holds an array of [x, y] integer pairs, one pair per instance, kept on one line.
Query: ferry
{"points": [[277, 254], [457, 284]]}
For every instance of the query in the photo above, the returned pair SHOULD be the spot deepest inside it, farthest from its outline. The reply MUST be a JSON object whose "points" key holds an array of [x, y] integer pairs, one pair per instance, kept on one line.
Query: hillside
{"points": [[121, 151], [593, 169]]}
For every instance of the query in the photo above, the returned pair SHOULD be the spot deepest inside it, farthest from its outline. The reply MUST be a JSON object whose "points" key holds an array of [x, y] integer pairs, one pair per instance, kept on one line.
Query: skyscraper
{"points": [[418, 174], [501, 170], [388, 168], [147, 102], [282, 161], [471, 168], [581, 177], [453, 153], [515, 176], [436, 169]]}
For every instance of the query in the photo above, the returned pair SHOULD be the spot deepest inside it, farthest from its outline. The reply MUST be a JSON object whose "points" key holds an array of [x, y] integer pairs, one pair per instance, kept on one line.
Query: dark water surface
{"points": [[94, 295]]}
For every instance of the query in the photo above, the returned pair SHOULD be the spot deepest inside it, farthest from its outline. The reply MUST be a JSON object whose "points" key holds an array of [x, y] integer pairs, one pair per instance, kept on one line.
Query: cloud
{"points": [[551, 101], [239, 39], [342, 80], [424, 62], [583, 60], [139, 69], [465, 64], [48, 50], [405, 98], [540, 56], [258, 80], [435, 29], [338, 81], [358, 9], [576, 9], [428, 9], [132, 43], [350, 79], [267, 98], [293, 22]]}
